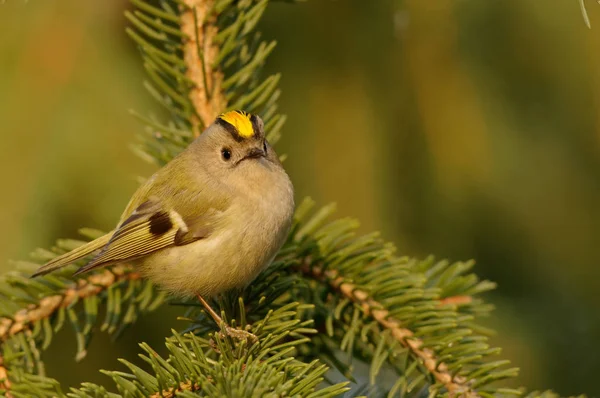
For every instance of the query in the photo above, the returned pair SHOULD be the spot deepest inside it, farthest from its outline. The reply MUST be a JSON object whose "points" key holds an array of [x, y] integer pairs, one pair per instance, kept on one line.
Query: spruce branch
{"points": [[200, 51], [424, 308], [218, 366], [84, 288], [454, 384]]}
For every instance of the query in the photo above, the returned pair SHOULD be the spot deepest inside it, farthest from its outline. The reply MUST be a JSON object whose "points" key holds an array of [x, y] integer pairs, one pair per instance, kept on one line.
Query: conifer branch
{"points": [[93, 285], [456, 385], [223, 366], [200, 52]]}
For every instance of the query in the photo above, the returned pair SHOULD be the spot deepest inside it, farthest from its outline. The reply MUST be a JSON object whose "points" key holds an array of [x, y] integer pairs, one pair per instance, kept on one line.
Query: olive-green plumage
{"points": [[208, 221]]}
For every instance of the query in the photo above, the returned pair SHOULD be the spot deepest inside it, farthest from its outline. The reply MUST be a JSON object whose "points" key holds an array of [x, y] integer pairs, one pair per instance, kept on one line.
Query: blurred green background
{"points": [[462, 128]]}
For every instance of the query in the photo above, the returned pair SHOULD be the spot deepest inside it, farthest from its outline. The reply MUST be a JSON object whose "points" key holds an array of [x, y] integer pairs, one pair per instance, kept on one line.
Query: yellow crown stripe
{"points": [[241, 121]]}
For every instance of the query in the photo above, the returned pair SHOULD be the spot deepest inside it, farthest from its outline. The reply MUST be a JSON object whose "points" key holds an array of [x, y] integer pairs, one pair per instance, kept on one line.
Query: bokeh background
{"points": [[460, 128]]}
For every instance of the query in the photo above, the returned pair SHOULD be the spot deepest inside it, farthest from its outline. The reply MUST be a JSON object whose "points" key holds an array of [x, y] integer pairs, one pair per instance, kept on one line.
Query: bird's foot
{"points": [[240, 335], [236, 334]]}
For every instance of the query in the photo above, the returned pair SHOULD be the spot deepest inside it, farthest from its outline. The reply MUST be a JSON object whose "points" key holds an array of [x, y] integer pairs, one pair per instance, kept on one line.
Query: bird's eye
{"points": [[226, 153], [265, 146]]}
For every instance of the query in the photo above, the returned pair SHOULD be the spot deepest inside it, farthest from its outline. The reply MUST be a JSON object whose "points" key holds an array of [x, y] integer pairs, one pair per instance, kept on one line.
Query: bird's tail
{"points": [[73, 255]]}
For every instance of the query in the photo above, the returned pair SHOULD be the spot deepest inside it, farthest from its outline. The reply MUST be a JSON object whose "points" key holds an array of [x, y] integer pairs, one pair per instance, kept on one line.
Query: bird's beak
{"points": [[255, 153]]}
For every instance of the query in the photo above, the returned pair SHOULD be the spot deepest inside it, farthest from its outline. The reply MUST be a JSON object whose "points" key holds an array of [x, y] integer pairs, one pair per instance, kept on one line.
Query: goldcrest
{"points": [[208, 221]]}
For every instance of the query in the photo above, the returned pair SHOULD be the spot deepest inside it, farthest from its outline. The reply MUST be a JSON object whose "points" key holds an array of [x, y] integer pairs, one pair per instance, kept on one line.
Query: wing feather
{"points": [[148, 229], [73, 255]]}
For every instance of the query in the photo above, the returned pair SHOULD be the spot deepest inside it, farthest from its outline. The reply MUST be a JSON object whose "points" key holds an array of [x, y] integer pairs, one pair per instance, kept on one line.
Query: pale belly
{"points": [[213, 265]]}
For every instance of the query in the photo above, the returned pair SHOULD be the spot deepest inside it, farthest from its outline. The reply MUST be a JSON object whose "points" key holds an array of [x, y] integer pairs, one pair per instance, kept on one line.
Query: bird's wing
{"points": [[149, 228], [73, 255]]}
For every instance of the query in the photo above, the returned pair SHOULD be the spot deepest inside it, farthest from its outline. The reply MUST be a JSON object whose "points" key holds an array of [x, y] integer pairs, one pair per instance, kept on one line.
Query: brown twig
{"points": [[4, 380], [172, 392], [199, 53], [455, 300], [457, 386], [47, 306]]}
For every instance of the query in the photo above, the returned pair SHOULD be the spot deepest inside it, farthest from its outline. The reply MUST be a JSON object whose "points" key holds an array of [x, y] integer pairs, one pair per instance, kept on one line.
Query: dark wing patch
{"points": [[160, 223], [151, 228]]}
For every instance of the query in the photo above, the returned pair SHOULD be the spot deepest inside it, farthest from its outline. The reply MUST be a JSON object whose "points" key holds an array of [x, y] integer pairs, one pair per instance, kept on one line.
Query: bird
{"points": [[208, 221]]}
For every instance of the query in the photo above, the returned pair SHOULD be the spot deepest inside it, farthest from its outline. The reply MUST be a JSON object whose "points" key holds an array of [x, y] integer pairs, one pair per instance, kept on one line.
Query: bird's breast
{"points": [[251, 232]]}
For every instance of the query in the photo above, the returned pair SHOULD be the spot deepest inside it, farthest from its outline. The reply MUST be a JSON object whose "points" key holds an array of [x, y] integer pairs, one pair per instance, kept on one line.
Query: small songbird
{"points": [[208, 221]]}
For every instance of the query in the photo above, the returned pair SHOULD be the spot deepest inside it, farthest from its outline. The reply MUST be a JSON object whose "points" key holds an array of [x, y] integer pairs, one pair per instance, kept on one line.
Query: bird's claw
{"points": [[239, 334]]}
